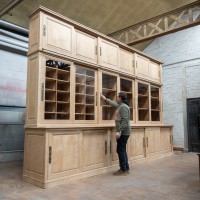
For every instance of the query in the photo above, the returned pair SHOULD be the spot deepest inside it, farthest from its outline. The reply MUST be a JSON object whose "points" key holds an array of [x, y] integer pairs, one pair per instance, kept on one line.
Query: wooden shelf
{"points": [[57, 87], [155, 104], [85, 90], [143, 102]]}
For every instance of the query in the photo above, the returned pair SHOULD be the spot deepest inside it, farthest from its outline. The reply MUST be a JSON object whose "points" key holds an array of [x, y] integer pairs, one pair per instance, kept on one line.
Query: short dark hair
{"points": [[123, 95]]}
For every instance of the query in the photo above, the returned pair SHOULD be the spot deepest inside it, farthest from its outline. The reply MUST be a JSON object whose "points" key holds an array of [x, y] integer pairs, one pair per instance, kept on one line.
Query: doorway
{"points": [[193, 121]]}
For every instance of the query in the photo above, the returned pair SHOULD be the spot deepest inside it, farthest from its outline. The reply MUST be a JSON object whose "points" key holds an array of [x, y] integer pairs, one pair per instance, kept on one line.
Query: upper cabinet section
{"points": [[85, 47], [109, 54], [147, 69], [126, 60], [57, 35], [155, 71], [49, 33]]}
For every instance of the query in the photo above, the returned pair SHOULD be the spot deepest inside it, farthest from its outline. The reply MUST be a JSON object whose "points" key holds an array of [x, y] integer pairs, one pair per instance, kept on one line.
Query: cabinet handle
{"points": [[100, 100], [105, 147], [110, 147], [100, 51], [144, 142], [44, 30], [42, 92], [171, 139], [96, 98], [96, 49], [50, 154], [147, 142]]}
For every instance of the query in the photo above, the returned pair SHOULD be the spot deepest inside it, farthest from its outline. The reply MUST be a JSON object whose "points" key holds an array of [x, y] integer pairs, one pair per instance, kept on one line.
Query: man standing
{"points": [[123, 130]]}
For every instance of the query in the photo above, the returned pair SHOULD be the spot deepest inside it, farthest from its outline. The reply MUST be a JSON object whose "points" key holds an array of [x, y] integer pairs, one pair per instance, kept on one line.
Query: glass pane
{"points": [[109, 85], [143, 102], [85, 94], [155, 104], [126, 86]]}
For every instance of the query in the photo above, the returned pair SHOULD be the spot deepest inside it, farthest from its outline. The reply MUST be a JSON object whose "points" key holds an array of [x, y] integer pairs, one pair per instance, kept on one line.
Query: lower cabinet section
{"points": [[136, 148], [53, 156]]}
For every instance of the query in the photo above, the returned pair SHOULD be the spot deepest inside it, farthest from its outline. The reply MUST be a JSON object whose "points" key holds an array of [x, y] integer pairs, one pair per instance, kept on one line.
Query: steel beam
{"points": [[9, 7], [172, 21]]}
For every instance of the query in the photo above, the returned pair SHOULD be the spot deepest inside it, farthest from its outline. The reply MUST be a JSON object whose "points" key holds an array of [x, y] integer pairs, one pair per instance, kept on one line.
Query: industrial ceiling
{"points": [[105, 16]]}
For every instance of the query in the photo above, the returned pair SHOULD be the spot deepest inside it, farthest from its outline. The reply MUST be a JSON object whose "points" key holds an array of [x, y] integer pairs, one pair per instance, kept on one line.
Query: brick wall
{"points": [[180, 53]]}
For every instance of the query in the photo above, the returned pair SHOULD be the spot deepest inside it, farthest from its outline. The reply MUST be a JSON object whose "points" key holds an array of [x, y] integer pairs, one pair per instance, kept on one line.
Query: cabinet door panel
{"points": [[126, 60], [142, 67], [85, 47], [94, 149], [114, 147], [155, 72], [57, 36], [108, 54], [65, 154], [165, 139], [136, 143], [34, 154], [152, 141]]}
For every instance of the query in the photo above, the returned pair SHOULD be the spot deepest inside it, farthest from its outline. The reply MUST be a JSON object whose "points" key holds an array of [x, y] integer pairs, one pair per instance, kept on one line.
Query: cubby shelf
{"points": [[57, 90], [84, 97], [155, 104]]}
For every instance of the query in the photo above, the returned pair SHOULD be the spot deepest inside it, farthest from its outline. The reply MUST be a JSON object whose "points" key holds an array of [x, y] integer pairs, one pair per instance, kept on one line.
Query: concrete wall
{"points": [[180, 53], [13, 73]]}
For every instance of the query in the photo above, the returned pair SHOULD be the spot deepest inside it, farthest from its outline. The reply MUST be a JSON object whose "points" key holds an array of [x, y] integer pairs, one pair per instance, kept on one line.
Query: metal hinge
{"points": [[50, 154], [44, 30]]}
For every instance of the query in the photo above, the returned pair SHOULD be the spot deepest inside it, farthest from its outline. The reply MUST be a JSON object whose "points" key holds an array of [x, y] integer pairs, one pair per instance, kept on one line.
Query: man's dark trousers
{"points": [[121, 150]]}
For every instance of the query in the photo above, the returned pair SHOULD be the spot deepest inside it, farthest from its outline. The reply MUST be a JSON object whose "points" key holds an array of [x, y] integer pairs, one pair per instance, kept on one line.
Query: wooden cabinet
{"points": [[94, 149], [85, 96], [108, 54], [155, 103], [57, 90], [147, 69], [148, 103], [152, 136], [143, 101], [154, 71], [63, 151], [126, 86], [85, 47], [142, 65], [57, 36], [166, 139], [136, 144], [109, 90], [69, 131], [126, 61]]}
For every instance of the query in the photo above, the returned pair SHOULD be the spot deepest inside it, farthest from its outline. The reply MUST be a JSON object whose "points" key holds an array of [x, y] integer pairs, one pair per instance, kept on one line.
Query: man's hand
{"points": [[117, 135], [103, 97]]}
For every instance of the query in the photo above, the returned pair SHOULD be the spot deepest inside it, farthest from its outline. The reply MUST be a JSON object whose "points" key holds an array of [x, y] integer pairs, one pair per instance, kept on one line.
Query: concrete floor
{"points": [[172, 178]]}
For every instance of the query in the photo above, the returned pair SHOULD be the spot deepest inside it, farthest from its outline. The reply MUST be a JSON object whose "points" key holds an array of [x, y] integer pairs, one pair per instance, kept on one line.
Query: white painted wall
{"points": [[180, 53]]}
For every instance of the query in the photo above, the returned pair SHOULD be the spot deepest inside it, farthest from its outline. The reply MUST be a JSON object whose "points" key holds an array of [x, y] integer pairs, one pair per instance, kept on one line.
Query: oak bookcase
{"points": [[69, 131]]}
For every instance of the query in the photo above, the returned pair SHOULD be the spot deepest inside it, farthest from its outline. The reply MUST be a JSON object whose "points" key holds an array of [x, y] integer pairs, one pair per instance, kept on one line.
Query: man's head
{"points": [[121, 97]]}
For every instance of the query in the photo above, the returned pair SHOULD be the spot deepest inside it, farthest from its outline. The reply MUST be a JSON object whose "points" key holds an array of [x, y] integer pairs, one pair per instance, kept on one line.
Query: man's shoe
{"points": [[120, 173], [128, 171]]}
